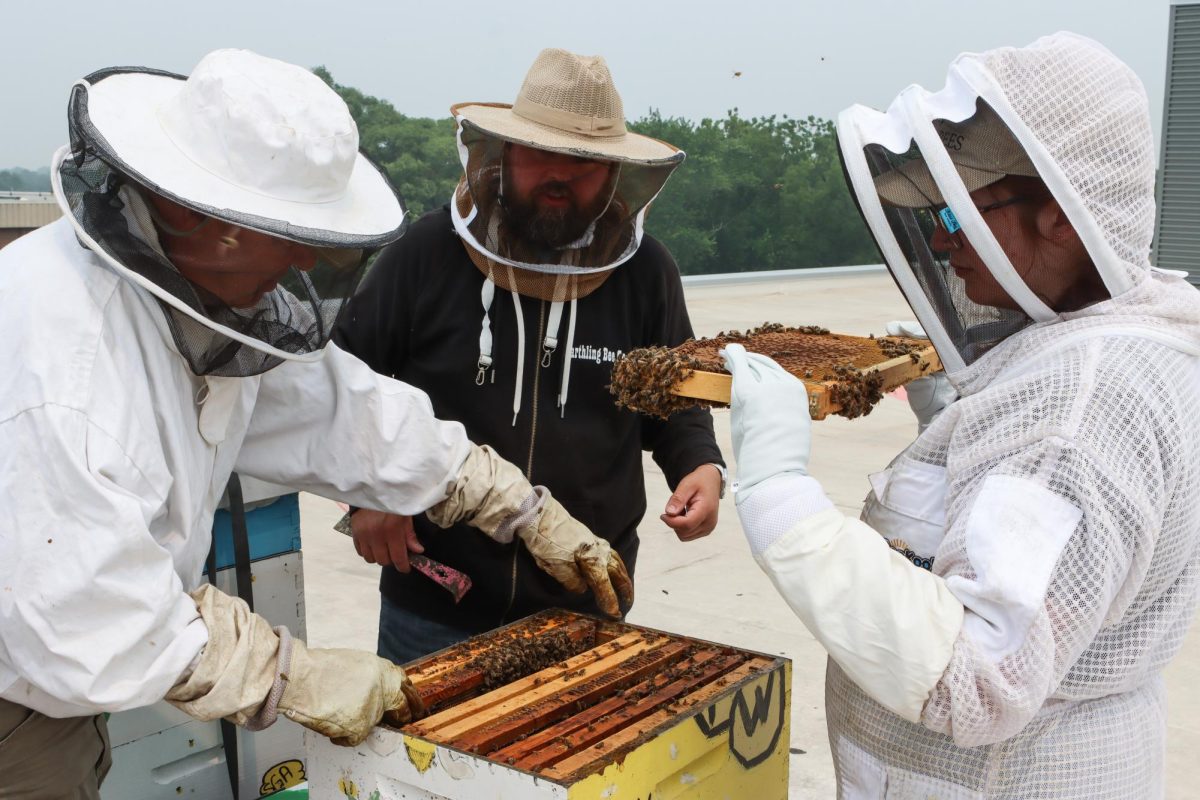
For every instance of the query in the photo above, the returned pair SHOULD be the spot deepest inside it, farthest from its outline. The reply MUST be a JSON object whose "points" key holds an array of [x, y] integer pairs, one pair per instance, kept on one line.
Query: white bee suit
{"points": [[117, 454], [1011, 646]]}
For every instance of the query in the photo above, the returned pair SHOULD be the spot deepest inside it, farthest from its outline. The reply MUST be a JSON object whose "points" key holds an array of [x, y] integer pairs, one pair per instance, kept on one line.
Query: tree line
{"points": [[754, 193]]}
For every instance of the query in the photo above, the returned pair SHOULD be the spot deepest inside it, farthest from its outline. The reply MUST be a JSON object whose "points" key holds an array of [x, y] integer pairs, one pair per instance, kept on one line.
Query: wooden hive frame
{"points": [[715, 387], [576, 716]]}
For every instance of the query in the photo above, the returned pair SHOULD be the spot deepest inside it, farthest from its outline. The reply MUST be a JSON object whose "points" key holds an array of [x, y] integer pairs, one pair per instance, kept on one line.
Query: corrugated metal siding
{"points": [[1177, 242], [24, 214]]}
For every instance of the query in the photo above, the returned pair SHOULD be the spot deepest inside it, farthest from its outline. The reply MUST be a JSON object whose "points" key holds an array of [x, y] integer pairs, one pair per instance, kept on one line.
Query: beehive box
{"points": [[844, 375], [562, 705]]}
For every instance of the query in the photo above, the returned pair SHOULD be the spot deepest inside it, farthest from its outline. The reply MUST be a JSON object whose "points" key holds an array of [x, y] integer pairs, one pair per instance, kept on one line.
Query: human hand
{"points": [[384, 539], [769, 419], [692, 508]]}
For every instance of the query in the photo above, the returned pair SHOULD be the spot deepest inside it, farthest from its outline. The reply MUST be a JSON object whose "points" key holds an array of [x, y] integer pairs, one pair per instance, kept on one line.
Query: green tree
{"points": [[417, 153], [25, 180], [754, 193]]}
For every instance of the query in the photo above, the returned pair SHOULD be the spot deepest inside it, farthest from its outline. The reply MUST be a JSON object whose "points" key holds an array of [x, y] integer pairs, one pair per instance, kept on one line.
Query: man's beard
{"points": [[551, 228]]}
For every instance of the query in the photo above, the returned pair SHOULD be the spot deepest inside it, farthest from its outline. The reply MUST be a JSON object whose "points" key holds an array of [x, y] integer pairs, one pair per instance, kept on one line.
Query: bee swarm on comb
{"points": [[647, 380]]}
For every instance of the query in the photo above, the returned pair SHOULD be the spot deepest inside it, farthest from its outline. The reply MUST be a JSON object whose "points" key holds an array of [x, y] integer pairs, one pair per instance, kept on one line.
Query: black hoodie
{"points": [[418, 316]]}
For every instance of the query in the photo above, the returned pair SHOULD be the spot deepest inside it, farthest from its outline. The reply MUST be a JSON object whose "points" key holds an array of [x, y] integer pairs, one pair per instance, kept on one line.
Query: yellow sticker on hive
{"points": [[420, 753], [283, 775]]}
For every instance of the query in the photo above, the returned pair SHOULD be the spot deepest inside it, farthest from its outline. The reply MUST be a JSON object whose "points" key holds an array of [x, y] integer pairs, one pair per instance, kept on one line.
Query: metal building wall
{"points": [[1177, 240]]}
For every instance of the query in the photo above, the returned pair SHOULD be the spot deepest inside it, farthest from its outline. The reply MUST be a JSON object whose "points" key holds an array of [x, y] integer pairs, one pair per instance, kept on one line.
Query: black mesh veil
{"points": [[612, 238], [973, 328], [294, 320]]}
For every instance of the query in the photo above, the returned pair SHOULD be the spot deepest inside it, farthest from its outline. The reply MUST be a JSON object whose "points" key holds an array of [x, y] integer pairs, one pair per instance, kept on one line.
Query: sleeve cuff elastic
{"points": [[777, 505]]}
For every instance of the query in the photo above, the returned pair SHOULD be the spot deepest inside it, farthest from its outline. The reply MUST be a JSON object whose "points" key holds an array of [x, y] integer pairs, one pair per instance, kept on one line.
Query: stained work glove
{"points": [[769, 419], [249, 674], [494, 496], [930, 395]]}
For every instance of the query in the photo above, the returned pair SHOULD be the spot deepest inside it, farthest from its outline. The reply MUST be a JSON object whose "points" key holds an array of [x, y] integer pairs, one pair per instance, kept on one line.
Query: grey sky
{"points": [[795, 58]]}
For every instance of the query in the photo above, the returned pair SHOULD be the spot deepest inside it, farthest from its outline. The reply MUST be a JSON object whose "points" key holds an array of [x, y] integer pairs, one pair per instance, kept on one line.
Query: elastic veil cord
{"points": [[520, 357], [567, 359]]}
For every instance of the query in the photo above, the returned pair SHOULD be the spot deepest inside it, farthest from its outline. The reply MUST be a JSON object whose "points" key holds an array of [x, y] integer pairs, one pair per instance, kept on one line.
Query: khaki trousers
{"points": [[43, 758]]}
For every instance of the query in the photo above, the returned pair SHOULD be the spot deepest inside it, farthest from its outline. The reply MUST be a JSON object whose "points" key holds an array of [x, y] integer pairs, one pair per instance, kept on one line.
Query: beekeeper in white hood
{"points": [[1043, 529], [171, 329]]}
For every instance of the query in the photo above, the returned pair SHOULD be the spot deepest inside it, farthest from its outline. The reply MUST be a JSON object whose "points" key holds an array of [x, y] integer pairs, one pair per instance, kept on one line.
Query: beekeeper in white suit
{"points": [[171, 329], [1053, 505]]}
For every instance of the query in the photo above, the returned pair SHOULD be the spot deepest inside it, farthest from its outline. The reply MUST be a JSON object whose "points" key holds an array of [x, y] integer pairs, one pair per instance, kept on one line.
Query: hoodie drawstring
{"points": [[549, 345], [520, 356], [567, 359]]}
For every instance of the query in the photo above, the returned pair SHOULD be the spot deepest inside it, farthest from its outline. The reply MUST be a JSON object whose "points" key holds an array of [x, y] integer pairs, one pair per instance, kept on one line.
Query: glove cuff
{"points": [[776, 505], [266, 715], [525, 515]]}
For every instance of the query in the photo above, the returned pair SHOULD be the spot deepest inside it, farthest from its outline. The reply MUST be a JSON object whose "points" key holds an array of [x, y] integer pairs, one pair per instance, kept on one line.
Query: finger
{"points": [[606, 596], [355, 537], [397, 547], [765, 366], [688, 527], [702, 525], [416, 703], [413, 543], [682, 498], [734, 356], [364, 548], [621, 581], [595, 572]]}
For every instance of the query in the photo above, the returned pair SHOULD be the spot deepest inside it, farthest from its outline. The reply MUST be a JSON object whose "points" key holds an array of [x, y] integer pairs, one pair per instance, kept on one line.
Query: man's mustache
{"points": [[558, 189]]}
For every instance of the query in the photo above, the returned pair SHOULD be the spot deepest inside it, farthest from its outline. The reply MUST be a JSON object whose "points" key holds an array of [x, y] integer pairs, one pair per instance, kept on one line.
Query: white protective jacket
{"points": [[1045, 525], [114, 455], [1064, 523]]}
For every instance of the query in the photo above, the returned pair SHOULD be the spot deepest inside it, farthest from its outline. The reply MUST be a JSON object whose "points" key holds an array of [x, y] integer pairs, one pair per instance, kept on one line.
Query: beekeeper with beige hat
{"points": [[173, 328], [508, 307]]}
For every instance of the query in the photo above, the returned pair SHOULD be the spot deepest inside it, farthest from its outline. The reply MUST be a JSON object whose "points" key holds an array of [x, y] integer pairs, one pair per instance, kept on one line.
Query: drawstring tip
{"points": [[514, 420]]}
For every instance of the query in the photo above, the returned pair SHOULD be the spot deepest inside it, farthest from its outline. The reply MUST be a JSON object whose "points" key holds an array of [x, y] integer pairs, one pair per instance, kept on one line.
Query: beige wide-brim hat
{"points": [[982, 149], [568, 104]]}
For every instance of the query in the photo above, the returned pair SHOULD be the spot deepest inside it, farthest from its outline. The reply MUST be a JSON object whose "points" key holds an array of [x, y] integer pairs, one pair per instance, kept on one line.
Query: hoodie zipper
{"points": [[537, 373]]}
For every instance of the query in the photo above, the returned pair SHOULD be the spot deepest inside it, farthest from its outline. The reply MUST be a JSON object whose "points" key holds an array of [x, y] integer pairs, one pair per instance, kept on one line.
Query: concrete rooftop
{"points": [[711, 588]]}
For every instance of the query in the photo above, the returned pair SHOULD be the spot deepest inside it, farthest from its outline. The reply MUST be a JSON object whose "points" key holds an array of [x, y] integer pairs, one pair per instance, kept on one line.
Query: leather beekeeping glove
{"points": [[769, 420], [494, 496], [927, 396], [249, 674]]}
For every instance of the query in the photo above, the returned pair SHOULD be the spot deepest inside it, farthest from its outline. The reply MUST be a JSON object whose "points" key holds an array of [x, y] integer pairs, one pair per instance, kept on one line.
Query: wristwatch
{"points": [[724, 477]]}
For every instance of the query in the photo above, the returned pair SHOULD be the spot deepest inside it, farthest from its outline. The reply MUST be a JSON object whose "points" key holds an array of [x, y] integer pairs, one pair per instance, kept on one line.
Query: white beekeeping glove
{"points": [[769, 420]]}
